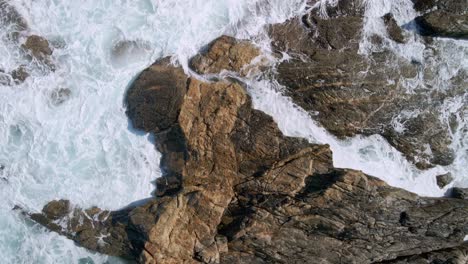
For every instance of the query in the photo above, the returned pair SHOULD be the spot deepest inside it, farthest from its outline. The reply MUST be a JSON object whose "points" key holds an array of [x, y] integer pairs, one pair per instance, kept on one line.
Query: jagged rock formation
{"points": [[235, 190], [458, 255], [227, 54], [443, 18], [350, 93]]}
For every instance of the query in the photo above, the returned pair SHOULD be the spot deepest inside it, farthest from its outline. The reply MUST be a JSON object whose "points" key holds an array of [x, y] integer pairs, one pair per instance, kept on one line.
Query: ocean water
{"points": [[84, 149]]}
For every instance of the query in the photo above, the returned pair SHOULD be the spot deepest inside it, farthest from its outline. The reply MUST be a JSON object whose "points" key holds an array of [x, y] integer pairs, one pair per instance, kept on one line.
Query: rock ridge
{"points": [[236, 190]]}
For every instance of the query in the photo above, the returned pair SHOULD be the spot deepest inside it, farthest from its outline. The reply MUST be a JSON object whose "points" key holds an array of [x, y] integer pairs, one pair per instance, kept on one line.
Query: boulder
{"points": [[394, 31], [444, 180]]}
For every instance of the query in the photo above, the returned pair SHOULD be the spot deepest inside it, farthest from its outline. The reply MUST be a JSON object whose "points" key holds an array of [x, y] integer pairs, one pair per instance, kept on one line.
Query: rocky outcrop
{"points": [[339, 217], [458, 255], [443, 18], [351, 93], [235, 190], [226, 54]]}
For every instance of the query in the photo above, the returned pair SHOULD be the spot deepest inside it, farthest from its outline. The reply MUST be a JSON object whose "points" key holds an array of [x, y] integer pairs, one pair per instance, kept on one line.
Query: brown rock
{"points": [[394, 31], [225, 53], [156, 97], [38, 47], [341, 216], [458, 255], [235, 190]]}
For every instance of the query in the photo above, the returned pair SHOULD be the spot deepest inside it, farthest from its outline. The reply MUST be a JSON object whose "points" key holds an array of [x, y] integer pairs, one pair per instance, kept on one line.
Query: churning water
{"points": [[83, 148]]}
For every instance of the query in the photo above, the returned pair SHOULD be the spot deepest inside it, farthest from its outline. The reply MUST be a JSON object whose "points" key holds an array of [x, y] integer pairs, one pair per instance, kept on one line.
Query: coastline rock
{"points": [[444, 180], [226, 54], [442, 18], [458, 255], [235, 190], [352, 93], [156, 96]]}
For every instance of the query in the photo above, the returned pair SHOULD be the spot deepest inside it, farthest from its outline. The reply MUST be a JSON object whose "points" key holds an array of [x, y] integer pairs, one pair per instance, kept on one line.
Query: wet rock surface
{"points": [[38, 47], [235, 190], [226, 54], [459, 193], [351, 93], [456, 255], [444, 180], [443, 18]]}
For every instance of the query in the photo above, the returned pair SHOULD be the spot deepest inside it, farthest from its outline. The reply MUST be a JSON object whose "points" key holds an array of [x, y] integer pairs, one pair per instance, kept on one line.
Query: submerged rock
{"points": [[20, 74], [59, 96], [128, 51], [236, 190]]}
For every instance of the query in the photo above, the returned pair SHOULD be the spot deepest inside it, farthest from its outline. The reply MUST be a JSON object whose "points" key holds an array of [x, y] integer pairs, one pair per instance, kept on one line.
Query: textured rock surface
{"points": [[444, 180], [350, 93], [236, 190], [458, 255], [459, 193], [226, 53], [38, 47], [339, 217], [443, 18]]}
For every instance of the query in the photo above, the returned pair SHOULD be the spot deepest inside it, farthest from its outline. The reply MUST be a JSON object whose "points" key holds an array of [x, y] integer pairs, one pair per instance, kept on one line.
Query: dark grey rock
{"points": [[459, 193], [444, 180], [443, 18]]}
